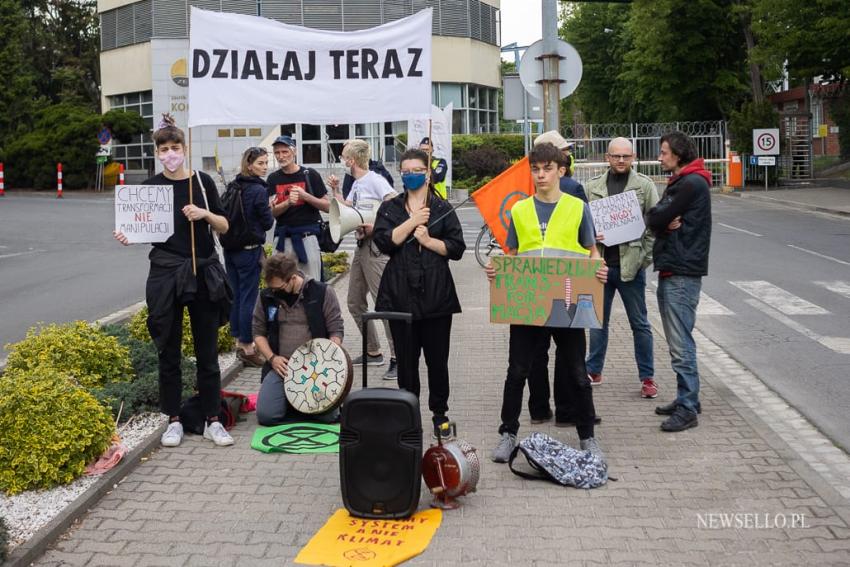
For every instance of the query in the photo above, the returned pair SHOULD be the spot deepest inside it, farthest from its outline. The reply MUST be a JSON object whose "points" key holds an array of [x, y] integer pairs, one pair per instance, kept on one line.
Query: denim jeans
{"points": [[243, 272], [678, 297], [634, 300]]}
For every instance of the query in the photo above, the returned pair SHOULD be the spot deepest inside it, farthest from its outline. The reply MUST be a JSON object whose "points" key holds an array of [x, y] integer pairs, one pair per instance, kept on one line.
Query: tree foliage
{"points": [[16, 77], [65, 133], [811, 36]]}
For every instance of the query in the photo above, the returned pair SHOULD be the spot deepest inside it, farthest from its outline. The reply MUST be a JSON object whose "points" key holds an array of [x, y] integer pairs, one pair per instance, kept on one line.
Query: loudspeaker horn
{"points": [[343, 219]]}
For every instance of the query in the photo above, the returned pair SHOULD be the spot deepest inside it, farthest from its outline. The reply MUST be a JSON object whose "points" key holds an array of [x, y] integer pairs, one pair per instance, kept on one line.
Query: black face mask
{"points": [[289, 298]]}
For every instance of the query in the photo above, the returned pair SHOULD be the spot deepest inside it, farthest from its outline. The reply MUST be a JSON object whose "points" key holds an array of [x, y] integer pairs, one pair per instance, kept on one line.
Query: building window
{"points": [[139, 153], [817, 116], [239, 132], [255, 132]]}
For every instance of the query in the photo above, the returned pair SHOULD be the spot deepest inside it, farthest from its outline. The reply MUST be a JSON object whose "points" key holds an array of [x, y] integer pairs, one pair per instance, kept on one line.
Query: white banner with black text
{"points": [[247, 69]]}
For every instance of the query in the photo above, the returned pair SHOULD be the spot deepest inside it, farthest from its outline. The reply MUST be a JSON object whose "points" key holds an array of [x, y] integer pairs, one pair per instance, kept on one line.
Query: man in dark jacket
{"points": [[681, 222]]}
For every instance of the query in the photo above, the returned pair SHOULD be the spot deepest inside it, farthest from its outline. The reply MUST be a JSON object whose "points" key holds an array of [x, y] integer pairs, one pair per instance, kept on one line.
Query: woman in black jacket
{"points": [[243, 258], [420, 232]]}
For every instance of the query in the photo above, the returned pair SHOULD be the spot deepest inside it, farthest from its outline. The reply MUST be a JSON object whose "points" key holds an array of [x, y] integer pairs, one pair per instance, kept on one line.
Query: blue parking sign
{"points": [[754, 160]]}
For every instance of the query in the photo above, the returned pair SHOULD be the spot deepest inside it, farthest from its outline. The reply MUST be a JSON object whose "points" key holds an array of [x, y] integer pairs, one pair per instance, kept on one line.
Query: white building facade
{"points": [[145, 46]]}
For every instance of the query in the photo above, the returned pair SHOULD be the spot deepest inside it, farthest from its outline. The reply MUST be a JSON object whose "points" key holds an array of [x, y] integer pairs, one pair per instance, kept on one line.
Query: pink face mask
{"points": [[171, 160]]}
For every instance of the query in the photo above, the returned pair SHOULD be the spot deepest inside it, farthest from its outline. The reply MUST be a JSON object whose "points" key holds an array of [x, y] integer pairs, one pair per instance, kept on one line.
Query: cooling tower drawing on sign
{"points": [[562, 312], [585, 314]]}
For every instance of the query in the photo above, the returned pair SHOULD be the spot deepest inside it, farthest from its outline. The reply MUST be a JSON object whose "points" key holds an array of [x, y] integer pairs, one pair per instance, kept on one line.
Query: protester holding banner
{"points": [[550, 223], [420, 233], [367, 267], [538, 378], [439, 168], [290, 311], [297, 194], [626, 262], [244, 263], [172, 285]]}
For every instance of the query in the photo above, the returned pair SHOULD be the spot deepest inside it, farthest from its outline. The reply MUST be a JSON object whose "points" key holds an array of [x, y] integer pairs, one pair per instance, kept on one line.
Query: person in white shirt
{"points": [[367, 267]]}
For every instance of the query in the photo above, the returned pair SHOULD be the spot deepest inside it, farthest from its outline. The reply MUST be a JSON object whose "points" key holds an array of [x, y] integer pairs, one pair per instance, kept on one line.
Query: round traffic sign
{"points": [[569, 69], [104, 136], [766, 142]]}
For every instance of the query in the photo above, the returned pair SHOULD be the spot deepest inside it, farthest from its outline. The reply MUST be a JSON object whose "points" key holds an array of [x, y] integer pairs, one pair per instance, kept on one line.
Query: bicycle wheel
{"points": [[486, 246]]}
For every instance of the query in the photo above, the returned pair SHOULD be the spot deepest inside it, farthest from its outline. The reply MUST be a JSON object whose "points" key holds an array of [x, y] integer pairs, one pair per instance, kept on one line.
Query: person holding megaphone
{"points": [[357, 213], [420, 232]]}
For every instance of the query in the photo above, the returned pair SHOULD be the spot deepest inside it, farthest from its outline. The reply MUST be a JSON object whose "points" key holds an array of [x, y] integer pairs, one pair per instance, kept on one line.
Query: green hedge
{"points": [[141, 394], [139, 330]]}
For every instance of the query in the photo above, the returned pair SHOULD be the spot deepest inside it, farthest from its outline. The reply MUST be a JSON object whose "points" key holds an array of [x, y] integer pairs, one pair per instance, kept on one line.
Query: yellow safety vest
{"points": [[561, 231], [441, 186]]}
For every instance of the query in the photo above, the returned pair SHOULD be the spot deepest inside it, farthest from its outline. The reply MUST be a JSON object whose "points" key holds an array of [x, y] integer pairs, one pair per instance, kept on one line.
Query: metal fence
{"points": [[591, 143]]}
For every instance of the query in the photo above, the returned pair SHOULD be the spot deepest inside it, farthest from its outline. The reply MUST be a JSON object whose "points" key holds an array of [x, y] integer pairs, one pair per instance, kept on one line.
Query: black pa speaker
{"points": [[380, 453]]}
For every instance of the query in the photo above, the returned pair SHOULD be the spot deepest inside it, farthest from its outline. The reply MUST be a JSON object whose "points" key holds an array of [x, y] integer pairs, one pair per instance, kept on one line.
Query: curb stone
{"points": [[27, 552], [788, 204]]}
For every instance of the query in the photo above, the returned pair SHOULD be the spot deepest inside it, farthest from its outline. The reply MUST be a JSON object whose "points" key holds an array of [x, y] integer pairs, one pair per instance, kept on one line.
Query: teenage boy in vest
{"points": [[291, 310], [550, 223]]}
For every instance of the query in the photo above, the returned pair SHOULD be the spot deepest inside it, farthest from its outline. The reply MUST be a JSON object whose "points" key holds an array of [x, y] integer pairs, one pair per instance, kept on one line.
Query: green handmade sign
{"points": [[546, 292]]}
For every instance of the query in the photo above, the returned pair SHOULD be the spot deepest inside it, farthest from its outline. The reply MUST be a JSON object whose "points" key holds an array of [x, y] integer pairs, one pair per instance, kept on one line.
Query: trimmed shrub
{"points": [[78, 349], [51, 429], [142, 393], [485, 161], [139, 330], [335, 262]]}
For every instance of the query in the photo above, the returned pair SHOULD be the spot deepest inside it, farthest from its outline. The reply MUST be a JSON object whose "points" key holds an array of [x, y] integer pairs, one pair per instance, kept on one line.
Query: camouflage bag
{"points": [[557, 462]]}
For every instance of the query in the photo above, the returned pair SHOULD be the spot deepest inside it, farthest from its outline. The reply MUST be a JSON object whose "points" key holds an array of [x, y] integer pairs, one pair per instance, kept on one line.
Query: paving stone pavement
{"points": [[675, 493]]}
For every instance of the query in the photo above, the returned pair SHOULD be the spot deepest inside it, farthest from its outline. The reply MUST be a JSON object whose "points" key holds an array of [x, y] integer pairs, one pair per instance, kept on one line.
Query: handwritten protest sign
{"points": [[546, 292], [345, 540], [618, 217], [144, 213]]}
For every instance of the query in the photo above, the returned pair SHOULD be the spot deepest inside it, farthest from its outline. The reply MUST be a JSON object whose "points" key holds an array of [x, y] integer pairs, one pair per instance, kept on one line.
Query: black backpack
{"points": [[237, 236]]}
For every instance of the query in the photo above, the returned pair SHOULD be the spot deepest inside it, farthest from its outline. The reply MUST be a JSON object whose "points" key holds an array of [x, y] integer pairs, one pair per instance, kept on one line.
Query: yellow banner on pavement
{"points": [[345, 540]]}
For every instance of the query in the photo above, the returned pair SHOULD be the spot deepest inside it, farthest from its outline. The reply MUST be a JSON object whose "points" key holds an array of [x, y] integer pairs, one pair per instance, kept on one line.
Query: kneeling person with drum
{"points": [[292, 310]]}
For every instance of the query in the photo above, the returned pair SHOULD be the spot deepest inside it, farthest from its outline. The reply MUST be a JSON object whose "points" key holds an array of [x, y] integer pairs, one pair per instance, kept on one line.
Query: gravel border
{"points": [[92, 489]]}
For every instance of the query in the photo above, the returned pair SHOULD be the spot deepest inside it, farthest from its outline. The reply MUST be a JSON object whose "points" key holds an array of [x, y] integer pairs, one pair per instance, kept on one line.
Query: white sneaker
{"points": [[173, 435], [216, 433]]}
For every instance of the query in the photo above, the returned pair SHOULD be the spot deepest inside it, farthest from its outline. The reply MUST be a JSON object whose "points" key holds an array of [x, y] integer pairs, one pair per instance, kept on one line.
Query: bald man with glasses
{"points": [[626, 266]]}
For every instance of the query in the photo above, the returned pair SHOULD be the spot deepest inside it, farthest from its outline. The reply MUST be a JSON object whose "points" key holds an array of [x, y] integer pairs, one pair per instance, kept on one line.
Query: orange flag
{"points": [[495, 199]]}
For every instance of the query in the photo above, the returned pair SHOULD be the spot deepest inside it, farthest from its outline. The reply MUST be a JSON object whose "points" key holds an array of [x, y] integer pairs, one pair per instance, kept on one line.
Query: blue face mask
{"points": [[413, 181]]}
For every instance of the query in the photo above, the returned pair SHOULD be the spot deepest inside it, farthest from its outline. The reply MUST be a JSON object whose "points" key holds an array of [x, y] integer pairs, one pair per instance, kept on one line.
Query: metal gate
{"points": [[591, 143], [795, 160]]}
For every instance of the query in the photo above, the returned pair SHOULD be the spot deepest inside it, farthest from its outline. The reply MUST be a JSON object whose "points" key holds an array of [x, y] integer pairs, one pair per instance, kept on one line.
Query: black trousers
{"points": [[433, 338], [203, 316], [573, 391]]}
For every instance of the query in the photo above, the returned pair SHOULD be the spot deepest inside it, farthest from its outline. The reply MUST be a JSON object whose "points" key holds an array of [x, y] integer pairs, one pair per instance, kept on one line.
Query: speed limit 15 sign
{"points": [[766, 141]]}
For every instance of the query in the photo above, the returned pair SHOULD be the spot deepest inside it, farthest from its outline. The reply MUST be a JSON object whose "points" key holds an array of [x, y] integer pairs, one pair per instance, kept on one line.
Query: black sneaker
{"points": [[680, 420], [671, 407], [371, 360], [442, 429], [392, 371]]}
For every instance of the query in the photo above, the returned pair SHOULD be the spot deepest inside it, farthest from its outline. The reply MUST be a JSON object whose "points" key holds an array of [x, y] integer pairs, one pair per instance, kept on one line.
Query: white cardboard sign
{"points": [[244, 69], [618, 217], [144, 213]]}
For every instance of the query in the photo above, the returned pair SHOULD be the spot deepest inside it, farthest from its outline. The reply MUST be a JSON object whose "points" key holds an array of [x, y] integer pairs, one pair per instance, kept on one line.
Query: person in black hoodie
{"points": [[243, 265], [173, 284], [681, 222], [420, 232]]}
